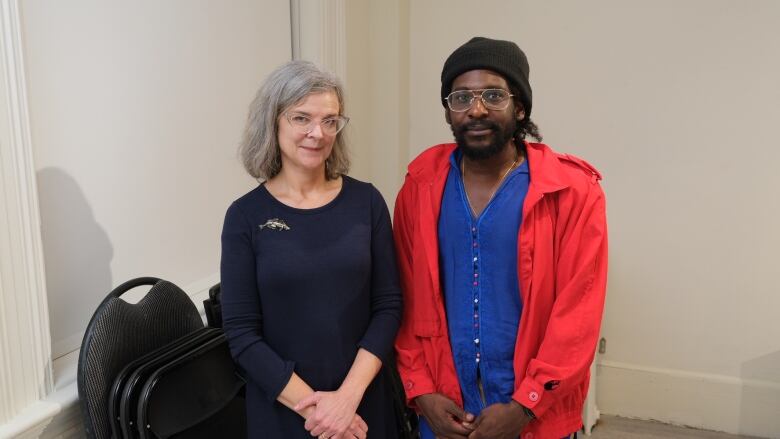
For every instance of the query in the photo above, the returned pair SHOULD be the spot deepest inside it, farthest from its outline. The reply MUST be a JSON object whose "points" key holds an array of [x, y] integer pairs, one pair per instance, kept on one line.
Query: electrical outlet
{"points": [[602, 345]]}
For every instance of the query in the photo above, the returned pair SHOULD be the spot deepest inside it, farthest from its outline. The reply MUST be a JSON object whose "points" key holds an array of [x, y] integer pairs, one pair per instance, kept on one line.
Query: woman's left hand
{"points": [[333, 412]]}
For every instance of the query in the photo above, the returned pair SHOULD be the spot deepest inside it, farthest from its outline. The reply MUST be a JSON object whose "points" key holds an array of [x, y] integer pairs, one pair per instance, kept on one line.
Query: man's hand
{"points": [[445, 418], [500, 421]]}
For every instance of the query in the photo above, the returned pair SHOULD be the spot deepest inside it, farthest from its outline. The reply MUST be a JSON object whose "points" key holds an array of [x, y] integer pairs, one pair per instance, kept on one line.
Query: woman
{"points": [[311, 301]]}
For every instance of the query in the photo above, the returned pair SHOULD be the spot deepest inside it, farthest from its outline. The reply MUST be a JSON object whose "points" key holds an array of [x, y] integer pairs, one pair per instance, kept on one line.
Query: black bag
{"points": [[213, 307], [407, 419]]}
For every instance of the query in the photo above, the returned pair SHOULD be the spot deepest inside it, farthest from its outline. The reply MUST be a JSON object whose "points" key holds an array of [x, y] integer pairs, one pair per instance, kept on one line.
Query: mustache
{"points": [[478, 125]]}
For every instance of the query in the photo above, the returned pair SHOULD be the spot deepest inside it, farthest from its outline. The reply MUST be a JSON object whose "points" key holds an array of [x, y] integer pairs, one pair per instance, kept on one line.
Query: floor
{"points": [[612, 427]]}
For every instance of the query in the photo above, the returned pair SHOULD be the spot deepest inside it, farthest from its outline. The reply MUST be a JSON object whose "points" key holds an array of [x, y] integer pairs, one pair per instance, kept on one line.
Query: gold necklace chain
{"points": [[495, 188]]}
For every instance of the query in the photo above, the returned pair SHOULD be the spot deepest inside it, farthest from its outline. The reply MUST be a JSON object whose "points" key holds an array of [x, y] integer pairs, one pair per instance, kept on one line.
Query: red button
{"points": [[533, 396], [409, 385]]}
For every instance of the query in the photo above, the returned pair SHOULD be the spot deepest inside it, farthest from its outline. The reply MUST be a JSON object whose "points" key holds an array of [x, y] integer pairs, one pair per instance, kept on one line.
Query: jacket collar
{"points": [[547, 172]]}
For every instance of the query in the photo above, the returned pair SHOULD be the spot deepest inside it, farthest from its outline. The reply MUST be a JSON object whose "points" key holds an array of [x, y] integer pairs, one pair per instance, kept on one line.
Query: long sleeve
{"points": [[242, 313], [386, 301], [565, 355], [414, 372]]}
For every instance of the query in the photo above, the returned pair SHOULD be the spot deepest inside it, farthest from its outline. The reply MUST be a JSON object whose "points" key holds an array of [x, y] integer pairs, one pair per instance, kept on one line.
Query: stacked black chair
{"points": [[152, 370]]}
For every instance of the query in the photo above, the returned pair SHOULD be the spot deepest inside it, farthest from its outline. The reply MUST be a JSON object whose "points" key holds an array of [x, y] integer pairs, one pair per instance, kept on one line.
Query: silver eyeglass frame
{"points": [[481, 98], [308, 129]]}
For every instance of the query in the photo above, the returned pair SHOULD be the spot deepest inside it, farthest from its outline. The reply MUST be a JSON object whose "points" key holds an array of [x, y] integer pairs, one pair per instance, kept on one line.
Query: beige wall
{"points": [[377, 91], [136, 111], [676, 103]]}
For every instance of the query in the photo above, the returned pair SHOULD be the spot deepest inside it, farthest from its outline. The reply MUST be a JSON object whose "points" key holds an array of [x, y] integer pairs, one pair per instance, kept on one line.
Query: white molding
{"points": [[25, 344], [693, 399], [30, 422], [334, 37], [319, 33], [295, 28]]}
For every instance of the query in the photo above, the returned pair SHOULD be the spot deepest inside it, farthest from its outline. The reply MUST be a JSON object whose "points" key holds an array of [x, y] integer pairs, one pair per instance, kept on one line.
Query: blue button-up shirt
{"points": [[478, 263]]}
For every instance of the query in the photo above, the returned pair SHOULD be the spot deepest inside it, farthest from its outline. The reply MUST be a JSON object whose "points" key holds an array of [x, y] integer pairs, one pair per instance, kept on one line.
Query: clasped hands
{"points": [[332, 415], [448, 421]]}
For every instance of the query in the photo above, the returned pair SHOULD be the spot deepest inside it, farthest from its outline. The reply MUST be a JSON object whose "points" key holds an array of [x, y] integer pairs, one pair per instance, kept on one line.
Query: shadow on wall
{"points": [[760, 402], [77, 253]]}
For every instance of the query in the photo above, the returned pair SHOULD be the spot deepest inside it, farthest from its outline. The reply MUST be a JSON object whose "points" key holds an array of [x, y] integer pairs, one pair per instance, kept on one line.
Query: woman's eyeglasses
{"points": [[305, 124]]}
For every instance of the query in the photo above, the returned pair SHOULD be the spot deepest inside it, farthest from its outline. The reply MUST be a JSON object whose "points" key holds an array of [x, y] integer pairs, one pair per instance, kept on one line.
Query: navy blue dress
{"points": [[302, 291]]}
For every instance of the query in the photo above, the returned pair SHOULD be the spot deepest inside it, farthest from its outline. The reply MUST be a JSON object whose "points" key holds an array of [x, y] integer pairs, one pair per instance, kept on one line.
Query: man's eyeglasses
{"points": [[305, 124], [492, 99]]}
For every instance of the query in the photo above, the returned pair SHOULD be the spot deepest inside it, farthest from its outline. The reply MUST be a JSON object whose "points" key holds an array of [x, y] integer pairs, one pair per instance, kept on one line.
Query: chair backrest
{"points": [[197, 394], [120, 332], [123, 400]]}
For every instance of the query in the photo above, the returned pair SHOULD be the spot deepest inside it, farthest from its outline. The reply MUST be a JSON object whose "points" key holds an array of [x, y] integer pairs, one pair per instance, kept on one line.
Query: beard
{"points": [[499, 137]]}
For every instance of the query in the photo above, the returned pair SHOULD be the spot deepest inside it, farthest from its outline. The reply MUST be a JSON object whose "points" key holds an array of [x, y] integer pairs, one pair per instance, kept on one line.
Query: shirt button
{"points": [[476, 316], [533, 396], [473, 229], [475, 259], [476, 300], [477, 354], [476, 274], [409, 385], [477, 360], [476, 341]]}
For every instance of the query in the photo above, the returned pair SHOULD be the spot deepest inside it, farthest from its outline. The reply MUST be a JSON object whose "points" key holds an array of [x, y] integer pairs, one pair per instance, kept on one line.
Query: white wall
{"points": [[676, 103], [136, 112]]}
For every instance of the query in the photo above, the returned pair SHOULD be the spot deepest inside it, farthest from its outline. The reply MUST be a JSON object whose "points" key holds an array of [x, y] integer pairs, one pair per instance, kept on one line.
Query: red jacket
{"points": [[562, 268]]}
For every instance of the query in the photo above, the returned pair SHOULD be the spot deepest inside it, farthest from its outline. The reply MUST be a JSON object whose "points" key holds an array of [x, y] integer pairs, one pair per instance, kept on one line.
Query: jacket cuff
{"points": [[416, 384], [533, 396]]}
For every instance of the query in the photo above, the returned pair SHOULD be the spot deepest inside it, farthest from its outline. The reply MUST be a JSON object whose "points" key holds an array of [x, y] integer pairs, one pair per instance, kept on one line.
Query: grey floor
{"points": [[612, 427]]}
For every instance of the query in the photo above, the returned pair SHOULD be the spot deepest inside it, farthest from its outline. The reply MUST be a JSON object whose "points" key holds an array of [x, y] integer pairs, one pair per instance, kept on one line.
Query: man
{"points": [[502, 246]]}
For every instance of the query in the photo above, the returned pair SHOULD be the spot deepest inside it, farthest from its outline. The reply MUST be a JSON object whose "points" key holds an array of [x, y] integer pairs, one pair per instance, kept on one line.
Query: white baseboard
{"points": [[707, 401]]}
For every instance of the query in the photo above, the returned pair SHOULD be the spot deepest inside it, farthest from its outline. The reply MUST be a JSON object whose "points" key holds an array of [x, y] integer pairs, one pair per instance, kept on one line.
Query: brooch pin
{"points": [[275, 224]]}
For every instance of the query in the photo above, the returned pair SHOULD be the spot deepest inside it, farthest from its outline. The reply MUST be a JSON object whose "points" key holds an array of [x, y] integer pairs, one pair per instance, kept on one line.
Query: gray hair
{"points": [[284, 88]]}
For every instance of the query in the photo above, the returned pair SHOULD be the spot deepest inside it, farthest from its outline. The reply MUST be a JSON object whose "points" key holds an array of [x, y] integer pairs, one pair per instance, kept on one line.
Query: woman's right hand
{"points": [[357, 429]]}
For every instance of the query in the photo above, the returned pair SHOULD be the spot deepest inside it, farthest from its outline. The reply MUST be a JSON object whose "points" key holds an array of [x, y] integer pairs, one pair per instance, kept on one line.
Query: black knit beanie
{"points": [[503, 57]]}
